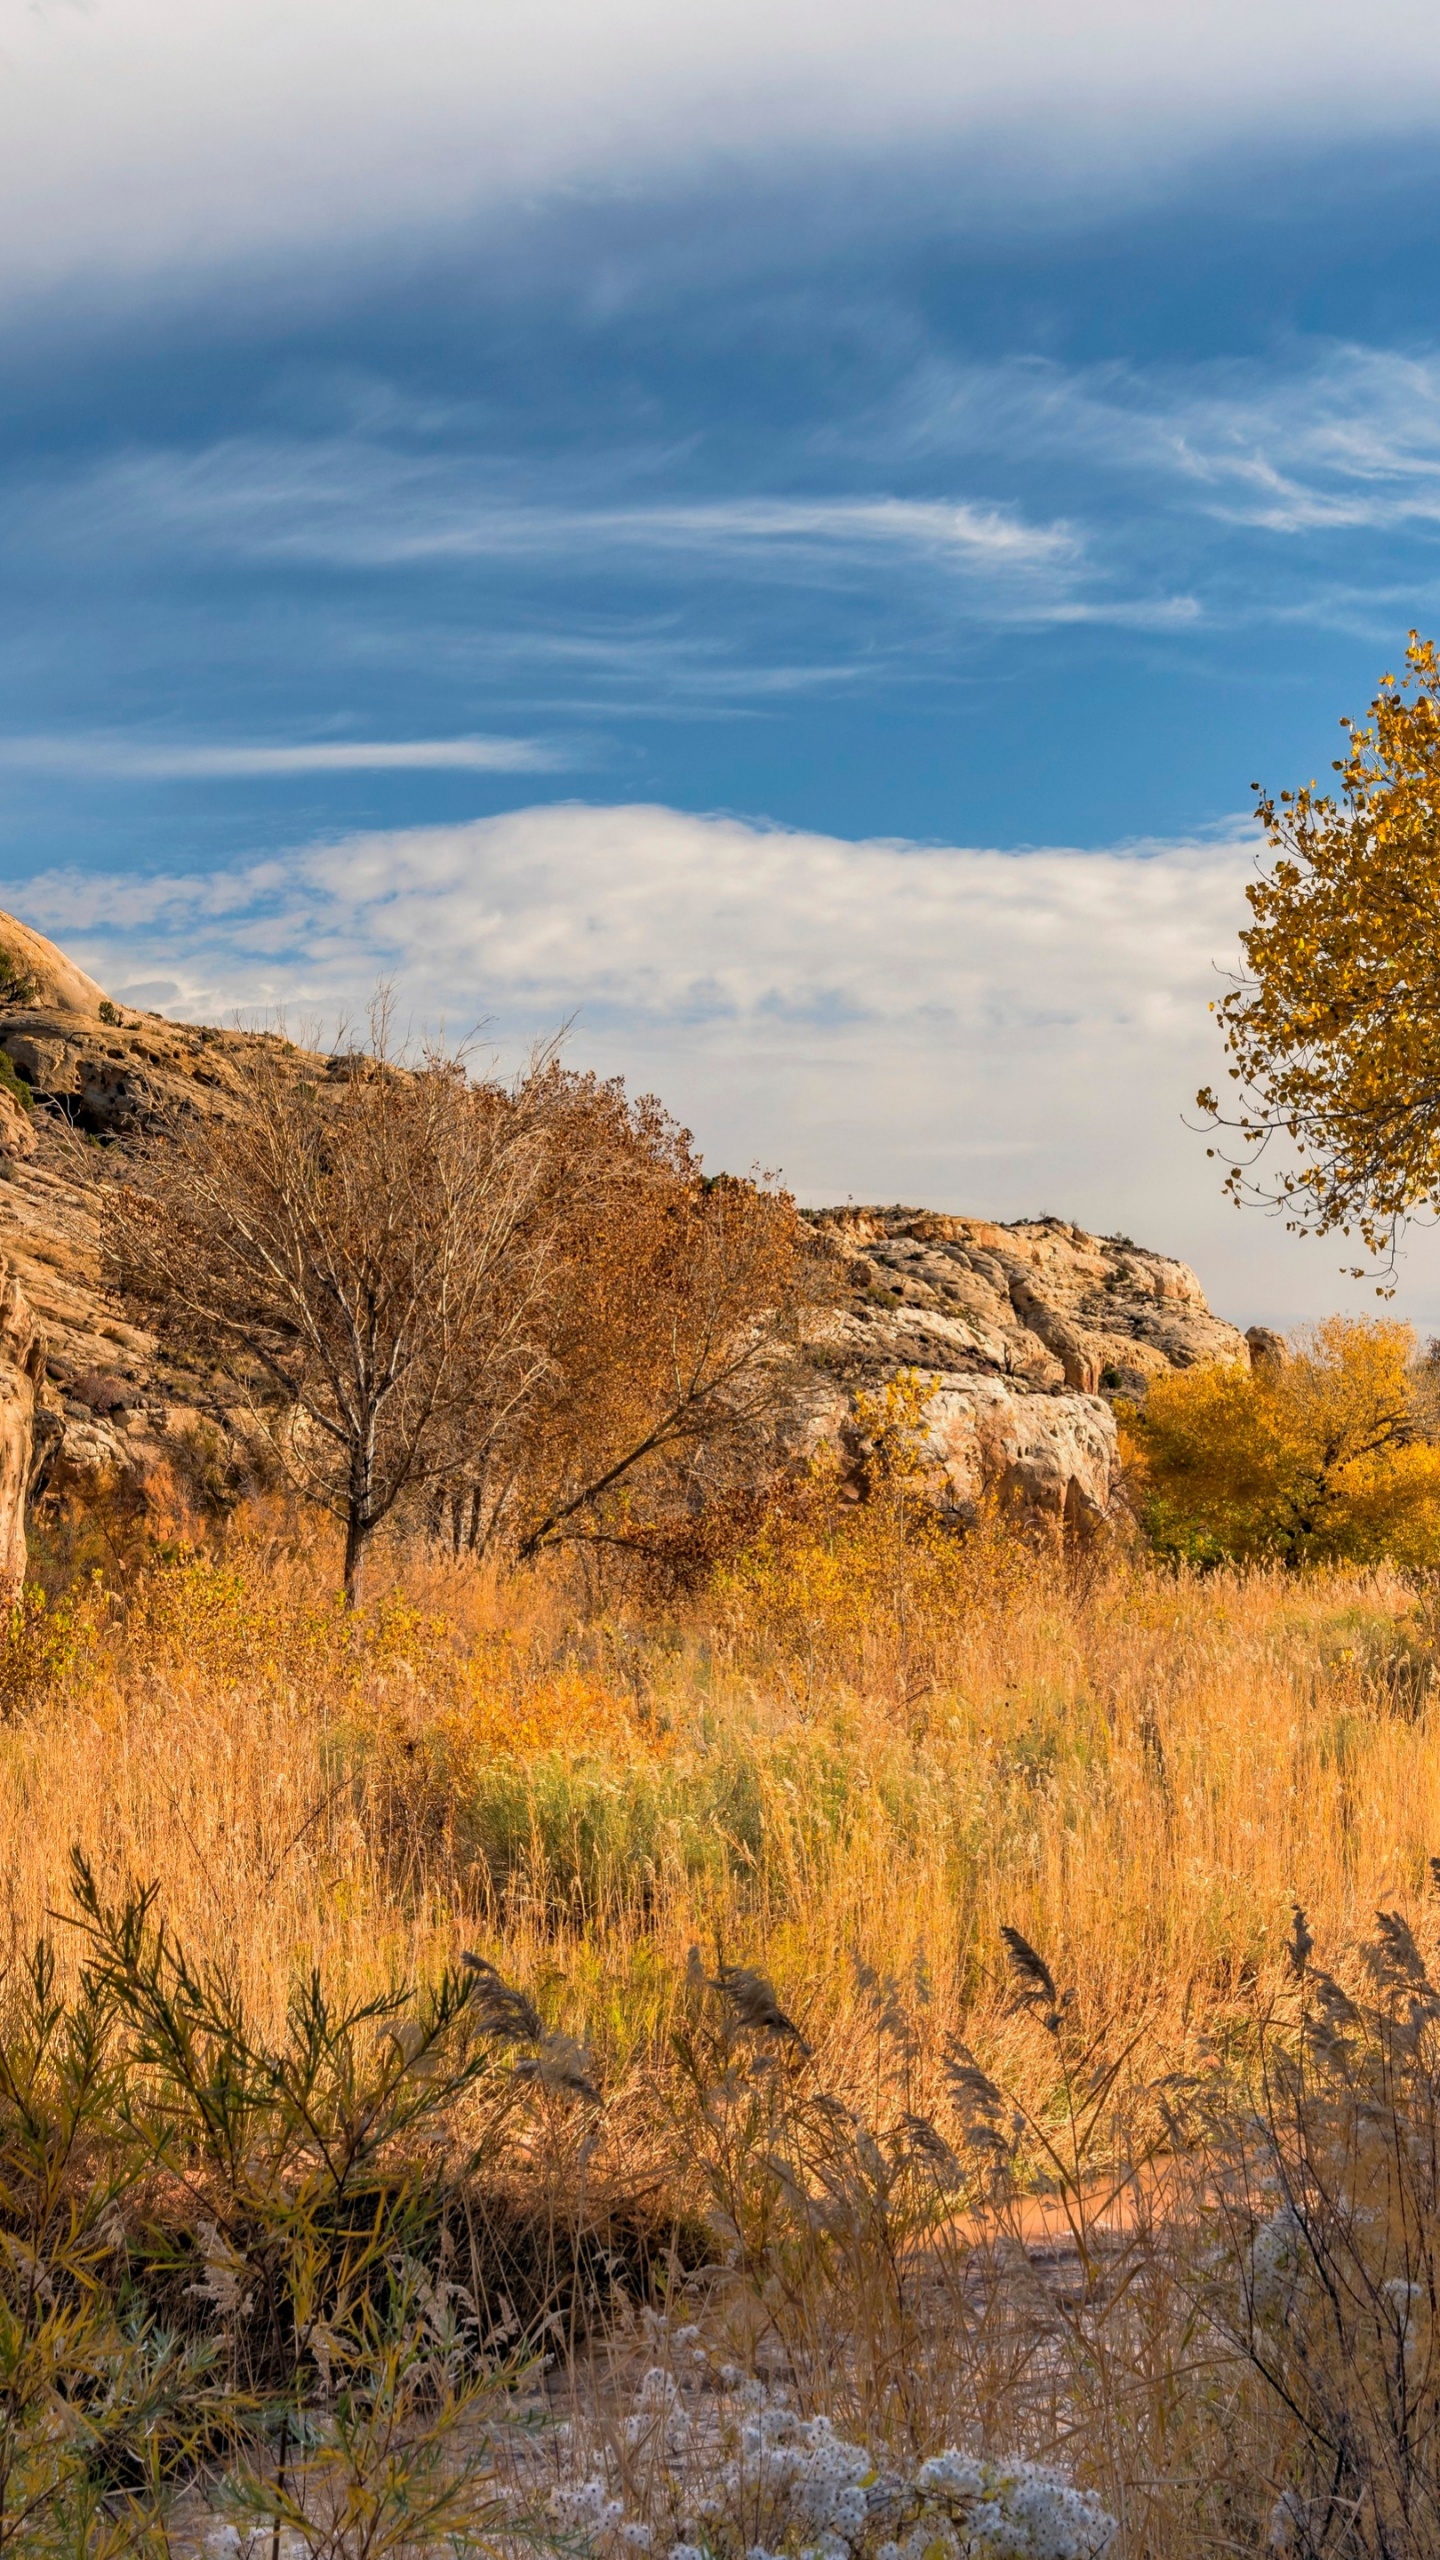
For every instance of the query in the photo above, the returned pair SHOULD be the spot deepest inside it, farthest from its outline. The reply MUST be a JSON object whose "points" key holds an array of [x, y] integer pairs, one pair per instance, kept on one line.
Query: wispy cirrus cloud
{"points": [[120, 757], [1326, 436], [1328, 439], [353, 504], [360, 508]]}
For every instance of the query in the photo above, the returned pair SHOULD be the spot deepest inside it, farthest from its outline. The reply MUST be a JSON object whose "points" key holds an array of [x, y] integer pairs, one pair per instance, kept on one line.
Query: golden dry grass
{"points": [[865, 1746], [864, 1742]]}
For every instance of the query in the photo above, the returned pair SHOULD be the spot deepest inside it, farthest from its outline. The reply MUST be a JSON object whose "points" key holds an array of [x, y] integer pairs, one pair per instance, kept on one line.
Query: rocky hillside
{"points": [[1024, 1333]]}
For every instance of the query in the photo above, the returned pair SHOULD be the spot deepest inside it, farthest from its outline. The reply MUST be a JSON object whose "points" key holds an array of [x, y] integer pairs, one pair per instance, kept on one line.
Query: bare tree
{"points": [[663, 1317], [356, 1242]]}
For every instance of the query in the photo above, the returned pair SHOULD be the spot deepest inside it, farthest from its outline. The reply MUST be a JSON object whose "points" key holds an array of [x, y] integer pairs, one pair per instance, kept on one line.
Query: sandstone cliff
{"points": [[1023, 1333]]}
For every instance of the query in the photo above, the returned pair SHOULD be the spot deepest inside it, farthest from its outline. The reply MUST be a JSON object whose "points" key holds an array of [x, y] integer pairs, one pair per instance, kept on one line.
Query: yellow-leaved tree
{"points": [[1309, 1458], [1334, 1033]]}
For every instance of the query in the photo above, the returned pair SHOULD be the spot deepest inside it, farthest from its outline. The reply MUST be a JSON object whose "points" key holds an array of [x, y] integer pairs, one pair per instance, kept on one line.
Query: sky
{"points": [[776, 537]]}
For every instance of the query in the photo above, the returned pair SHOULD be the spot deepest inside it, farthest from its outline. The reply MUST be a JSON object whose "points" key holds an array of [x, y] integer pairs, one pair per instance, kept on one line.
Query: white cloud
{"points": [[144, 132], [113, 753], [997, 1032], [452, 528]]}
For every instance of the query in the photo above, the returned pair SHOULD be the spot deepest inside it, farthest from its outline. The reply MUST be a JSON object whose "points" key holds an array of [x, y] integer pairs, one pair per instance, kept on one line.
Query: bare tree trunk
{"points": [[360, 1510], [357, 1539]]}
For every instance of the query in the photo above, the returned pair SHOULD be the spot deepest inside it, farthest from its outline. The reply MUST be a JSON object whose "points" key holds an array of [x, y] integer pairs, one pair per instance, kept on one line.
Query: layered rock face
{"points": [[110, 1411], [1022, 1332]]}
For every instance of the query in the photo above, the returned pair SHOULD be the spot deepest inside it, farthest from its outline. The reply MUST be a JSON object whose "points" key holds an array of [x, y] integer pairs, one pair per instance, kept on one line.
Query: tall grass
{"points": [[865, 1742], [912, 1905]]}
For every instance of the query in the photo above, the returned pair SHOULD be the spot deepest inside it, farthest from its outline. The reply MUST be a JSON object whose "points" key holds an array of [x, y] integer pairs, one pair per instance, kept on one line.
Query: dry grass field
{"points": [[863, 1742], [751, 1853]]}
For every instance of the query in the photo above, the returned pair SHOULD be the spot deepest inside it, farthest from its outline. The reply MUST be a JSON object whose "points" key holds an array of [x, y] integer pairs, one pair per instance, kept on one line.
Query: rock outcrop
{"points": [[1022, 1334], [1040, 1302], [34, 971]]}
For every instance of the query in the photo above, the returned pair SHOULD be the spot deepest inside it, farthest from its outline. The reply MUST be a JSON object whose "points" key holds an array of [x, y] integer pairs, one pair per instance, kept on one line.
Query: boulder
{"points": [[1041, 1301], [126, 1076]]}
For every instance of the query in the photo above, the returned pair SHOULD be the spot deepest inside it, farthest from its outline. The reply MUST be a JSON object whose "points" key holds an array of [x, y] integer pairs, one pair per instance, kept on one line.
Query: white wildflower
{"points": [[950, 2472], [587, 2507], [659, 2418], [1009, 2510], [803, 2489]]}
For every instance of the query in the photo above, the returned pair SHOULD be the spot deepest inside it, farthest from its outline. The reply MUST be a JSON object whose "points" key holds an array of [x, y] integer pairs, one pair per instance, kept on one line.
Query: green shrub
{"points": [[12, 1082]]}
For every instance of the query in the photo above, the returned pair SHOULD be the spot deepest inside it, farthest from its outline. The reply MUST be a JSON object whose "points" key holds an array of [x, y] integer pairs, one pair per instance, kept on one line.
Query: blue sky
{"points": [[782, 536]]}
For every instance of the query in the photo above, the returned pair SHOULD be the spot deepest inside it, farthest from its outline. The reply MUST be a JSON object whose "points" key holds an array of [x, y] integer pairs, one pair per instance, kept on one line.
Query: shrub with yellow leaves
{"points": [[1313, 1458]]}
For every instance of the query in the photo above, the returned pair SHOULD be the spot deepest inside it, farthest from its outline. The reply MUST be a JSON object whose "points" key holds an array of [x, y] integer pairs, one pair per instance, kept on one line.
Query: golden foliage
{"points": [[1335, 1032], [661, 1320], [1311, 1458]]}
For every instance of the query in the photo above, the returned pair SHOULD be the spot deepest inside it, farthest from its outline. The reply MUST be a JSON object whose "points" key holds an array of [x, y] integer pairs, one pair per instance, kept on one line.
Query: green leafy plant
{"points": [[100, 2401], [233, 2257]]}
